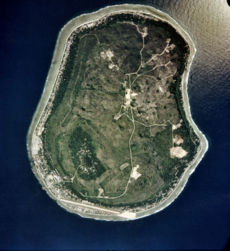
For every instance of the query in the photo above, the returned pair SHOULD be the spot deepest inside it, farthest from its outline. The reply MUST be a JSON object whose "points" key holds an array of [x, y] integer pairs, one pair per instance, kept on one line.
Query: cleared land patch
{"points": [[115, 134]]}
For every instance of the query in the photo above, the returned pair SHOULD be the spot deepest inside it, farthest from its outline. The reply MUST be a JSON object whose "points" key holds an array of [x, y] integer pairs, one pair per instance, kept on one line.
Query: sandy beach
{"points": [[51, 85]]}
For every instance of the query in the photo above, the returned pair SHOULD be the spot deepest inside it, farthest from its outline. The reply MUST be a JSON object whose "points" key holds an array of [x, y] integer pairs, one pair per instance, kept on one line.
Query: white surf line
{"points": [[89, 206], [50, 86]]}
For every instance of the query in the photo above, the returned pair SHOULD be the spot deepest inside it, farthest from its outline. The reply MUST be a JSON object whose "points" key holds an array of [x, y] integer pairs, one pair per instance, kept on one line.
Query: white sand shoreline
{"points": [[51, 83]]}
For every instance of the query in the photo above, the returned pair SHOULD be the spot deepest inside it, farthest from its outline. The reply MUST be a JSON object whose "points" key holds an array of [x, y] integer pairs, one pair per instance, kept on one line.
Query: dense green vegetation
{"points": [[85, 142], [67, 72], [186, 131], [83, 155]]}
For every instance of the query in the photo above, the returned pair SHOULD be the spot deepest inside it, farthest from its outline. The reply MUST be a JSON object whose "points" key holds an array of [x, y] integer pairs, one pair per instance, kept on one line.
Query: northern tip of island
{"points": [[112, 137]]}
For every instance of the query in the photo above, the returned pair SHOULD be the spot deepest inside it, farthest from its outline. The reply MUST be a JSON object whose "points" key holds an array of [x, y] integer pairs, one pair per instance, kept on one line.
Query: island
{"points": [[112, 137]]}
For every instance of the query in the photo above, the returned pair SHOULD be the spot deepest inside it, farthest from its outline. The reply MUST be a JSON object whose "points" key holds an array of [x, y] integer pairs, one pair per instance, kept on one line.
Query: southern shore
{"points": [[52, 82]]}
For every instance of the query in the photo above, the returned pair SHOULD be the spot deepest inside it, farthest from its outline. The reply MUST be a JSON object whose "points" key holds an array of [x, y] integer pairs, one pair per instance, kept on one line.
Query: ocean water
{"points": [[29, 219]]}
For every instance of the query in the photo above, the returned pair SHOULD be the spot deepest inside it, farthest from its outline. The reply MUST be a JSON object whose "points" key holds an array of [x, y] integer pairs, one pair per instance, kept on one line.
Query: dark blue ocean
{"points": [[29, 219]]}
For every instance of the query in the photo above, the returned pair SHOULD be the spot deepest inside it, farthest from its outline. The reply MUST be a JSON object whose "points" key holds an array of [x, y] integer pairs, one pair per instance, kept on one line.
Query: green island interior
{"points": [[117, 132]]}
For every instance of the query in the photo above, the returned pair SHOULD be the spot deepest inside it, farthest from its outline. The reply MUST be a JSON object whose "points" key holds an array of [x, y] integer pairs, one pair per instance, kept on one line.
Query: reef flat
{"points": [[112, 137]]}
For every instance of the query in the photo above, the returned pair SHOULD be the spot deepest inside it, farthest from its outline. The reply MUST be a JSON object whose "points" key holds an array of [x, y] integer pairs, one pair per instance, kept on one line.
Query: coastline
{"points": [[51, 82]]}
